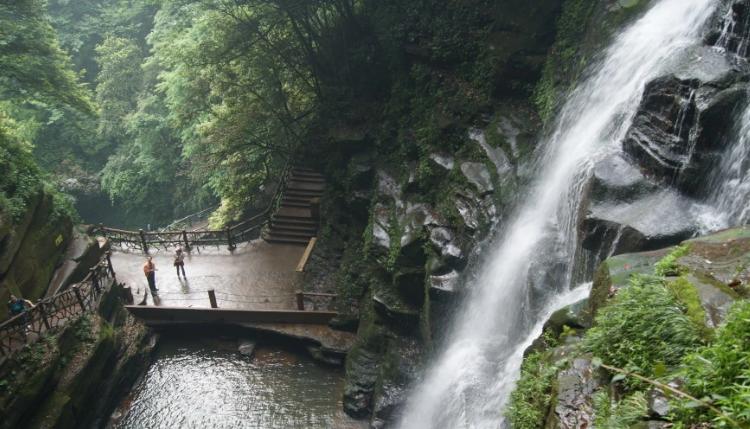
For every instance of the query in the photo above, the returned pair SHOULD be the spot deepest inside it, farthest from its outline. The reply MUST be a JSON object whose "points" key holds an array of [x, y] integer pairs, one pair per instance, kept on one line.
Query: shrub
{"points": [[687, 294], [619, 415], [644, 328], [531, 397], [720, 373]]}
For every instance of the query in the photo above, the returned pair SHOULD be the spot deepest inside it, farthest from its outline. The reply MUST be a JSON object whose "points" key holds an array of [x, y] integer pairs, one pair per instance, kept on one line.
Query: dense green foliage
{"points": [[622, 414], [667, 266], [720, 372], [205, 100], [20, 179], [37, 83], [644, 329], [531, 397]]}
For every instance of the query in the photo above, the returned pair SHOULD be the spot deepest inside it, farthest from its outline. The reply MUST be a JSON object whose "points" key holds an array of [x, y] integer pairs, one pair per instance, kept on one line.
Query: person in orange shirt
{"points": [[149, 269]]}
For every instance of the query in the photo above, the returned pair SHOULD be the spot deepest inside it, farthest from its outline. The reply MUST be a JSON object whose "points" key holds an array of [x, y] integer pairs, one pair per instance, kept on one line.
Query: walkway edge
{"points": [[160, 316]]}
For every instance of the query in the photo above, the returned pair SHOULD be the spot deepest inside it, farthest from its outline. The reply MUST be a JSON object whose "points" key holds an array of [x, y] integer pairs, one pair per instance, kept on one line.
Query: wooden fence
{"points": [[245, 230], [57, 310]]}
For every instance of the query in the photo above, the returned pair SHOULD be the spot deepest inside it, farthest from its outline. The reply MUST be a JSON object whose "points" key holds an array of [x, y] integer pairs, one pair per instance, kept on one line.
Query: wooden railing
{"points": [[245, 230], [55, 311]]}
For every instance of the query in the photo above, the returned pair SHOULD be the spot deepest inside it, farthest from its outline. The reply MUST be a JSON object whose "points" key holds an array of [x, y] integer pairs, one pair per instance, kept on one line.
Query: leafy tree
{"points": [[32, 65], [118, 85]]}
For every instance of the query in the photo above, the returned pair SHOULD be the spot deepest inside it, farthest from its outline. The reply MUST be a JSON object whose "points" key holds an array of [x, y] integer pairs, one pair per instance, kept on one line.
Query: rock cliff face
{"points": [[405, 223], [31, 249]]}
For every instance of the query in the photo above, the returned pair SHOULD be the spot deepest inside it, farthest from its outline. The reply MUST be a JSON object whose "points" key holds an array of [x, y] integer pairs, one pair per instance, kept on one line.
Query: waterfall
{"points": [[469, 382], [731, 185]]}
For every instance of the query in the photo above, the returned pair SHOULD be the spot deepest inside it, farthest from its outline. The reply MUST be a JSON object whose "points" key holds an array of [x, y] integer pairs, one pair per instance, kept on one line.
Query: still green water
{"points": [[197, 384]]}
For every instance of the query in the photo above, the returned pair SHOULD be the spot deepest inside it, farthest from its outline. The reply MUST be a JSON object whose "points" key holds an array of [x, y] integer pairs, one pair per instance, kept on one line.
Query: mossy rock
{"points": [[38, 254], [615, 272]]}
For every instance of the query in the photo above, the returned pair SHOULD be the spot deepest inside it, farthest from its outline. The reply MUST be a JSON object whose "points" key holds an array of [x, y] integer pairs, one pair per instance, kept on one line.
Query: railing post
{"points": [[229, 239], [184, 238], [101, 230], [144, 246], [109, 263], [95, 279], [212, 298], [77, 292], [300, 300], [127, 294], [43, 312]]}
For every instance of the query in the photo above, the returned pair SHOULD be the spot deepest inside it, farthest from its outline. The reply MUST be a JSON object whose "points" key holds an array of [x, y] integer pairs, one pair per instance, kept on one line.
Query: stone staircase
{"points": [[293, 222]]}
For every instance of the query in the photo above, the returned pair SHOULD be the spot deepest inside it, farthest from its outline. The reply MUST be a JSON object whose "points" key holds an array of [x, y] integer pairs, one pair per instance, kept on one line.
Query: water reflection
{"points": [[193, 385]]}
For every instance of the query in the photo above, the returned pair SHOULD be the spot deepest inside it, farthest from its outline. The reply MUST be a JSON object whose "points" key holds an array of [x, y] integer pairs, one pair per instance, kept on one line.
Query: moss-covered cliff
{"points": [[420, 174], [31, 248]]}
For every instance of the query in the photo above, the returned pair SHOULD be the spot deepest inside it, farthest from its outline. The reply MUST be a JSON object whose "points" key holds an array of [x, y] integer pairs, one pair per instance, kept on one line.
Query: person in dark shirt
{"points": [[179, 262], [18, 305]]}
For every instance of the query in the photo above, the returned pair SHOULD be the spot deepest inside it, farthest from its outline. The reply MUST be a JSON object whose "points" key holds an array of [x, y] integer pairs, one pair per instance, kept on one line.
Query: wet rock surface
{"points": [[660, 219], [575, 388], [680, 127]]}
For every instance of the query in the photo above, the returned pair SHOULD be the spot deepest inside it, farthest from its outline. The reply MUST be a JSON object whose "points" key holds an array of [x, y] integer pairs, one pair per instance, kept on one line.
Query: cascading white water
{"points": [[731, 186], [469, 383]]}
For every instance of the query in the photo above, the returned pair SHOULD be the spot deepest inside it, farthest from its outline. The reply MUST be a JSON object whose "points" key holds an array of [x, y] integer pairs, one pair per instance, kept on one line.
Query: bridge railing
{"points": [[57, 310], [245, 230]]}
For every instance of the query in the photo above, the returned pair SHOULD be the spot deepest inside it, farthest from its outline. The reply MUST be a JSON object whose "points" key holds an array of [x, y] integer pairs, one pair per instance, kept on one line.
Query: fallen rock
{"points": [[247, 348]]}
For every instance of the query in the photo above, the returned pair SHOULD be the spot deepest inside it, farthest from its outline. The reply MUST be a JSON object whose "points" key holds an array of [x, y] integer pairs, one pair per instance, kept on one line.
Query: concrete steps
{"points": [[293, 222]]}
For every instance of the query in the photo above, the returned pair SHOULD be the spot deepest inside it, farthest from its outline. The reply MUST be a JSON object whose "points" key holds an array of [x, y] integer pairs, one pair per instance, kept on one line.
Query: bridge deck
{"points": [[257, 276]]}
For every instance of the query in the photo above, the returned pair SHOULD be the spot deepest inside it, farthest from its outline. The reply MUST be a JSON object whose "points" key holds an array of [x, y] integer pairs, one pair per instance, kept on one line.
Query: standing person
{"points": [[149, 269], [17, 306], [179, 262]]}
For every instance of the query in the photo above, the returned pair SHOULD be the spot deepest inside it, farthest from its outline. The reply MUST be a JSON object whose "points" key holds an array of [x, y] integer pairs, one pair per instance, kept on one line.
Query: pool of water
{"points": [[209, 384]]}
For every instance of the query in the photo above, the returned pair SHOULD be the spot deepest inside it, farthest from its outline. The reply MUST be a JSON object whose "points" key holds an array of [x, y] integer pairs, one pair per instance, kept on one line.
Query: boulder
{"points": [[391, 307], [615, 272], [446, 245], [478, 175], [575, 316], [445, 161], [658, 137], [247, 348], [680, 127], [468, 210], [497, 155], [661, 219], [731, 30], [615, 179]]}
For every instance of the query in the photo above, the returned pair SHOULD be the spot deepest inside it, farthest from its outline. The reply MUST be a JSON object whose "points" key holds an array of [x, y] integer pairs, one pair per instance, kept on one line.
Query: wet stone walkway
{"points": [[257, 275]]}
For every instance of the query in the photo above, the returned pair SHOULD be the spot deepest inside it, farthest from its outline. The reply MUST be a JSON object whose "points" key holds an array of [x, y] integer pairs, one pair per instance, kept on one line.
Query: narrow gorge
{"points": [[392, 214]]}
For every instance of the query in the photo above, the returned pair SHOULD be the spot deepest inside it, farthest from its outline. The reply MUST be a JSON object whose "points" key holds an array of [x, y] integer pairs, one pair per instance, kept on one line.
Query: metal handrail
{"points": [[57, 310]]}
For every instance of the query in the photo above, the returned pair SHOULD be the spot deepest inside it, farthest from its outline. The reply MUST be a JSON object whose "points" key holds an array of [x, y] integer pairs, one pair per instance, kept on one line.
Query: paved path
{"points": [[257, 276]]}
